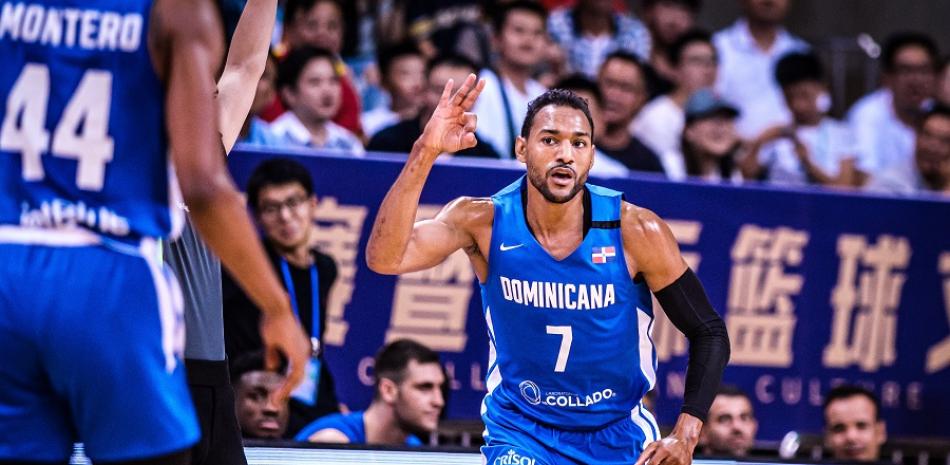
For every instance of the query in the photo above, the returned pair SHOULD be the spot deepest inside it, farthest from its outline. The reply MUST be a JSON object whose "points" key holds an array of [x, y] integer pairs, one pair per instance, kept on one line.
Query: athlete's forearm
{"points": [[392, 229], [247, 58]]}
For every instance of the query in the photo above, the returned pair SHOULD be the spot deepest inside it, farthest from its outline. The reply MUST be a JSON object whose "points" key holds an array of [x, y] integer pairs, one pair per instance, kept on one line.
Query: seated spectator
{"points": [[943, 86], [622, 82], [592, 30], [814, 149], [931, 159], [309, 84], [520, 41], [854, 430], [660, 124], [258, 414], [710, 141], [281, 197], [730, 427], [748, 51], [604, 165], [255, 129], [667, 21], [403, 76], [400, 136], [319, 24], [406, 406], [884, 121]]}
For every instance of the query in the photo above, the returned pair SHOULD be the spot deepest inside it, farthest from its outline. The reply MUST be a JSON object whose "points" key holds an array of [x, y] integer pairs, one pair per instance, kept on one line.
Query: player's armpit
{"points": [[649, 242]]}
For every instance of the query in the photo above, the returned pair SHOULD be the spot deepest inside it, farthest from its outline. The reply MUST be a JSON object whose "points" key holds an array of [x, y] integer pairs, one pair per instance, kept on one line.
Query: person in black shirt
{"points": [[622, 82], [400, 136], [280, 193]]}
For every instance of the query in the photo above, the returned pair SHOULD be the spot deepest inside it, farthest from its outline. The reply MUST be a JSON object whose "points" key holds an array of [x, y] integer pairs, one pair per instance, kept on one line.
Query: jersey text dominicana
{"points": [[569, 339]]}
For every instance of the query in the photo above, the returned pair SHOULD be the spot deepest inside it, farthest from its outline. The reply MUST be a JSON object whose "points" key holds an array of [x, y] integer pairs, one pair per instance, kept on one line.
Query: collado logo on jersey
{"points": [[513, 458], [562, 296], [532, 393]]}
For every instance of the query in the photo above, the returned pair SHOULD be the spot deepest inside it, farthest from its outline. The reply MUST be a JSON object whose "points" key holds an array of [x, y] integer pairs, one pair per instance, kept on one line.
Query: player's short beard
{"points": [[538, 180]]}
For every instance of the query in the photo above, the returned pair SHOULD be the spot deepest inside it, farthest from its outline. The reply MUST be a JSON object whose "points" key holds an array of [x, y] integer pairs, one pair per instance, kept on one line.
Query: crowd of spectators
{"points": [[350, 76]]}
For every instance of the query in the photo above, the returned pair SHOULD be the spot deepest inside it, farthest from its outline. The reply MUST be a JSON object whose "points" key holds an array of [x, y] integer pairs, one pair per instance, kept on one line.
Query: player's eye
{"points": [[580, 143], [547, 140]]}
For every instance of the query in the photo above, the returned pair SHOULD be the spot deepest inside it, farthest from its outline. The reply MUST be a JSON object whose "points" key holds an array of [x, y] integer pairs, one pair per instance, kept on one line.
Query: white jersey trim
{"points": [[66, 237], [645, 328]]}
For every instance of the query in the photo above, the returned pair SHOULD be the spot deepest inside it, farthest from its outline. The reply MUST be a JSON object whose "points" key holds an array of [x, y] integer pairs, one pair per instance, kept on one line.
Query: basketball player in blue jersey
{"points": [[99, 99], [566, 270]]}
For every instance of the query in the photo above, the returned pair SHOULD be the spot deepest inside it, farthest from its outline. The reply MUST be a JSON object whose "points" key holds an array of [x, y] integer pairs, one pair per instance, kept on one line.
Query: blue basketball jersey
{"points": [[569, 339], [82, 133]]}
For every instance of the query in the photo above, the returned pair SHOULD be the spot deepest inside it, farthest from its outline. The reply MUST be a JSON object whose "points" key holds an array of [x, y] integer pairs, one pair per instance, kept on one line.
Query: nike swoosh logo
{"points": [[505, 249]]}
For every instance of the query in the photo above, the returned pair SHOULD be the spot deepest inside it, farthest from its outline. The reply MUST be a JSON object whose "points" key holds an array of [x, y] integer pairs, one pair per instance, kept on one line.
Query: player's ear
{"points": [[388, 390], [521, 149]]}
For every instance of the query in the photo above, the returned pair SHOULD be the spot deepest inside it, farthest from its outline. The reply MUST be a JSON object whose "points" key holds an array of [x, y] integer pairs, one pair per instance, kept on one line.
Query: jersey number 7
{"points": [[567, 337], [87, 111]]}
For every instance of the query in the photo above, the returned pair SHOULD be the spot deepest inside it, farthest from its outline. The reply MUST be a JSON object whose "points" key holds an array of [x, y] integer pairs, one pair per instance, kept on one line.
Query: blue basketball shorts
{"points": [[513, 439], [91, 342]]}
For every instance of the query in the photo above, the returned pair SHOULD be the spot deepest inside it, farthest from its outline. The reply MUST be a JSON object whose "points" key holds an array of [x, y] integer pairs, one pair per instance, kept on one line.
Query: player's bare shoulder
{"points": [[647, 239], [468, 213]]}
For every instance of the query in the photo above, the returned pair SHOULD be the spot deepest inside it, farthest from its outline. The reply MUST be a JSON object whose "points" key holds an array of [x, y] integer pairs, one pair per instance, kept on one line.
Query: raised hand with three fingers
{"points": [[451, 127]]}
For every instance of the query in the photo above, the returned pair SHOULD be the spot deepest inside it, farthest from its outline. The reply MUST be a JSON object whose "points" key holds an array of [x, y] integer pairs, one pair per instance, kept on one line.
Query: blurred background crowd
{"points": [[750, 102]]}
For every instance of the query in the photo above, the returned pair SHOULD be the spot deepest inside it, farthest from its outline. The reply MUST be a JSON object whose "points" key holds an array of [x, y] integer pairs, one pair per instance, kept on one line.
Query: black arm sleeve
{"points": [[687, 306]]}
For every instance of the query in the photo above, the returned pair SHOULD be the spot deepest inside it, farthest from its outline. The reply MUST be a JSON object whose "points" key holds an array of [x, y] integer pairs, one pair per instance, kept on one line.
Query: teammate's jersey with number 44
{"points": [[69, 157], [569, 339]]}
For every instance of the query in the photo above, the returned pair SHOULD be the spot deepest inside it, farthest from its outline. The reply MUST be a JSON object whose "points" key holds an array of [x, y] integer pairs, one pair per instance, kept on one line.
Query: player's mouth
{"points": [[562, 176], [269, 425]]}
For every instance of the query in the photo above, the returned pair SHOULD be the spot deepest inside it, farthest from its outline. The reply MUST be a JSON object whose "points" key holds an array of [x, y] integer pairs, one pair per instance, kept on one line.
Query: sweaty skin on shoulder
{"points": [[650, 247]]}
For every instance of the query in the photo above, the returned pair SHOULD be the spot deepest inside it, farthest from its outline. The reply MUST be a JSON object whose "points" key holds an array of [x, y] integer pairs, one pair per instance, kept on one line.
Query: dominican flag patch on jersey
{"points": [[603, 254]]}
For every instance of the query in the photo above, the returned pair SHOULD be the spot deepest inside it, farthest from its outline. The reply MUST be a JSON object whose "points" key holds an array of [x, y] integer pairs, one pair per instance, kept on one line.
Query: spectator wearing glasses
{"points": [[884, 122], [281, 196]]}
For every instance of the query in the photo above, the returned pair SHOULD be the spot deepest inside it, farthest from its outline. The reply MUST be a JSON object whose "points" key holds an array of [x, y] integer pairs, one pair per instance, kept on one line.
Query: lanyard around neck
{"points": [[314, 300]]}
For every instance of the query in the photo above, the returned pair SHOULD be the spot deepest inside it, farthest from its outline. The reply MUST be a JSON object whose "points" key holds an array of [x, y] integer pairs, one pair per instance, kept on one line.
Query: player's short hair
{"points": [[797, 67], [559, 97], [690, 37], [504, 10], [248, 362], [451, 59], [276, 172], [731, 390], [846, 391], [393, 359], [289, 70], [897, 42], [692, 5], [627, 57], [295, 8], [388, 55]]}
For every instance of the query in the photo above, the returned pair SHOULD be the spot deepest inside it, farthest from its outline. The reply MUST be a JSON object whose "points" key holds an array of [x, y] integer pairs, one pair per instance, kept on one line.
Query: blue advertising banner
{"points": [[817, 289]]}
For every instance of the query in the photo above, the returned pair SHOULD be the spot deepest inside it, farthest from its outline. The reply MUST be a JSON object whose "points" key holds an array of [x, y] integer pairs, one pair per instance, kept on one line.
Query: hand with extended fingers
{"points": [[452, 127]]}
